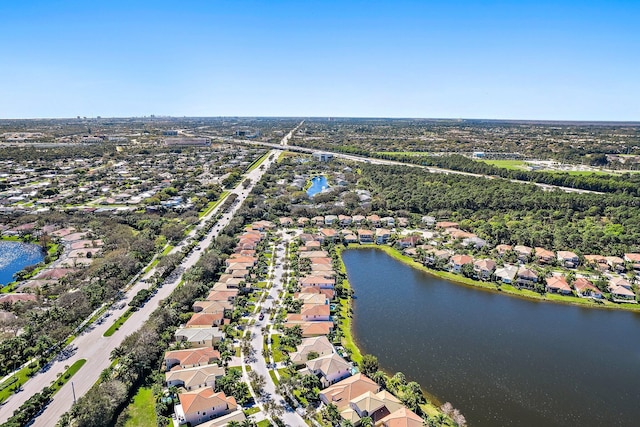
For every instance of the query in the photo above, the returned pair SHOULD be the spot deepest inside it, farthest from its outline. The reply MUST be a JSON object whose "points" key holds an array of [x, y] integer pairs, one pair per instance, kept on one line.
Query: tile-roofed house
{"points": [[621, 294], [403, 417], [382, 235], [597, 261], [446, 224], [190, 358], [429, 221], [199, 337], [526, 278], [502, 249], [285, 221], [375, 405], [225, 420], [344, 220], [16, 297], [328, 234], [315, 312], [318, 282], [409, 241], [373, 220], [615, 263], [319, 345], [203, 405], [194, 378], [484, 268], [457, 261], [342, 392], [523, 252], [357, 219], [317, 220], [330, 219], [558, 284], [365, 236], [506, 274], [568, 259], [302, 221], [544, 256], [633, 259], [330, 368], [205, 319], [586, 289]]}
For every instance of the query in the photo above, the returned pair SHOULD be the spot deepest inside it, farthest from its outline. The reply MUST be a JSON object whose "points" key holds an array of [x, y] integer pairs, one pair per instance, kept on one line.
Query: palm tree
{"points": [[366, 422]]}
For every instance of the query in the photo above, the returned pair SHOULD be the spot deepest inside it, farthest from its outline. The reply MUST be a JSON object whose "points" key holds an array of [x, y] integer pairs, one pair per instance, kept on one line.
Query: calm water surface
{"points": [[14, 256], [502, 361], [318, 184]]}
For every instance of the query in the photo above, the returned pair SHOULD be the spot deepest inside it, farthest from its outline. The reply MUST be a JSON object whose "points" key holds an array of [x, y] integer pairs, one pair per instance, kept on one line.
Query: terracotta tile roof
{"points": [[203, 399], [403, 417], [341, 393]]}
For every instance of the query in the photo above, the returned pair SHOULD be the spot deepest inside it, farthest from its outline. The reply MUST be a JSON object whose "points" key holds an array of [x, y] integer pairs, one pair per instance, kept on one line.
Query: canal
{"points": [[14, 256], [502, 361]]}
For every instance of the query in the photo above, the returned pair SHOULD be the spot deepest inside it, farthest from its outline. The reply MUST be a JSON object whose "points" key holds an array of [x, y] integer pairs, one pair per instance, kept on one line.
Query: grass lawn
{"points": [[141, 411], [66, 376], [118, 323], [264, 423], [507, 164], [251, 411], [278, 355], [6, 388], [272, 374]]}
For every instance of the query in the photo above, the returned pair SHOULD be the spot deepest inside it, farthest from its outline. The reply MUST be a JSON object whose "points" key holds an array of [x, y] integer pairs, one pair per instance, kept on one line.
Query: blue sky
{"points": [[453, 59]]}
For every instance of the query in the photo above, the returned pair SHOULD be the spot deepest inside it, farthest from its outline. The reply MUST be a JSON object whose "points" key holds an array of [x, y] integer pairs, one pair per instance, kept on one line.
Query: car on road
{"points": [[261, 317]]}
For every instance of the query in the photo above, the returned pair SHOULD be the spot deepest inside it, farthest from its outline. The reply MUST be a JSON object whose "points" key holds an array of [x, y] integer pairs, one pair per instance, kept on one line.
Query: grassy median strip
{"points": [[118, 323], [8, 387], [213, 205], [66, 376], [258, 162]]}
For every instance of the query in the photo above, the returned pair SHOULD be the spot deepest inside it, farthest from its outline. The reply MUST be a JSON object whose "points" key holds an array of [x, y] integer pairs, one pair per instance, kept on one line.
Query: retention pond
{"points": [[502, 361], [15, 256]]}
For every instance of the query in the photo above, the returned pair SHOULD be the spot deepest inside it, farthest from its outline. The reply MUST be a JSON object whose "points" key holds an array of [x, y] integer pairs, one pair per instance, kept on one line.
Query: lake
{"points": [[318, 183], [14, 256], [502, 361]]}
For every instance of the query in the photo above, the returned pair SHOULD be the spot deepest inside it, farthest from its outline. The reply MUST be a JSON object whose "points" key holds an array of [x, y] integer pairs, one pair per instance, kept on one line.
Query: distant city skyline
{"points": [[525, 60]]}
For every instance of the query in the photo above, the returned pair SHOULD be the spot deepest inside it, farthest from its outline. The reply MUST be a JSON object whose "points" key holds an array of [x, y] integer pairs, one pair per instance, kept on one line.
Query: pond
{"points": [[502, 361], [318, 183], [14, 256]]}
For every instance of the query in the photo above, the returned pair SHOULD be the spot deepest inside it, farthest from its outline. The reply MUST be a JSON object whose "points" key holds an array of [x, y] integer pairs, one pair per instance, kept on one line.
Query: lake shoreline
{"points": [[491, 287]]}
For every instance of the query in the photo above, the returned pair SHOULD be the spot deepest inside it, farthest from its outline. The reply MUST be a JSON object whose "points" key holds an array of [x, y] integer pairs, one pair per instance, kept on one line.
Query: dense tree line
{"points": [[627, 184], [511, 213]]}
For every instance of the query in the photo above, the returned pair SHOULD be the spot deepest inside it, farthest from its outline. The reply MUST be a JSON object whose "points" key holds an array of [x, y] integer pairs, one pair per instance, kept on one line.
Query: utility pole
{"points": [[73, 390]]}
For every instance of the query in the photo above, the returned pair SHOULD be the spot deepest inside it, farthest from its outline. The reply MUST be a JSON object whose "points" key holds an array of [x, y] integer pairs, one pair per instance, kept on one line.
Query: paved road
{"points": [[394, 162], [96, 348], [258, 363]]}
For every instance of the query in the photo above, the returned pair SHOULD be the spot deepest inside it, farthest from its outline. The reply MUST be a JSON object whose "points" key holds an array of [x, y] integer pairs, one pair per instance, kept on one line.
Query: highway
{"points": [[375, 161], [96, 348]]}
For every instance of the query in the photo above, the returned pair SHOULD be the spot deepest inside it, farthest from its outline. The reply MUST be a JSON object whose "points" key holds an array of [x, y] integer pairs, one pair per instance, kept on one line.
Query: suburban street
{"points": [[94, 347], [259, 331]]}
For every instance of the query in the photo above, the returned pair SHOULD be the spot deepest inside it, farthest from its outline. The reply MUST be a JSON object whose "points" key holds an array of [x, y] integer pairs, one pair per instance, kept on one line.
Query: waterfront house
{"points": [[194, 378], [523, 252], [558, 285], [621, 293], [317, 281], [328, 234], [457, 261], [526, 278], [342, 392], [315, 312], [329, 369], [544, 256], [506, 274], [382, 235], [203, 405], [484, 268], [586, 289], [403, 417], [568, 259], [374, 405], [620, 281], [408, 242], [350, 238], [365, 236]]}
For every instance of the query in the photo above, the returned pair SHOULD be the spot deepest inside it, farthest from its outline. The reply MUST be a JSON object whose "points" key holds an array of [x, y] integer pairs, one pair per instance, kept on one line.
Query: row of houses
{"points": [[195, 367], [354, 394], [346, 221]]}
